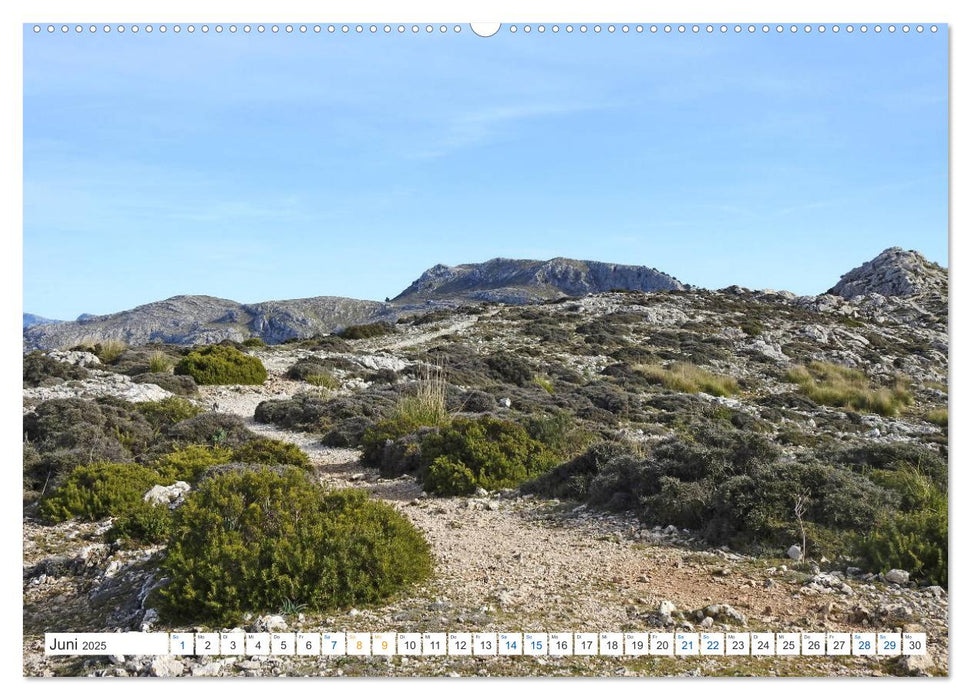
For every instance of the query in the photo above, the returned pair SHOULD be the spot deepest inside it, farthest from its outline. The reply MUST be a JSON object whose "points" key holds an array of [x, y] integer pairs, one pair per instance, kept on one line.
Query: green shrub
{"points": [[559, 432], [841, 387], [143, 523], [254, 343], [376, 437], [96, 491], [168, 411], [271, 452], [190, 462], [510, 368], [220, 364], [915, 537], [248, 541], [448, 477], [688, 378], [366, 330], [752, 327], [42, 370], [498, 453]]}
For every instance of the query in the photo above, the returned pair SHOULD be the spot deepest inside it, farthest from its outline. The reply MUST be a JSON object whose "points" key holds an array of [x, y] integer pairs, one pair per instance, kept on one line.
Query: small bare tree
{"points": [[802, 502]]}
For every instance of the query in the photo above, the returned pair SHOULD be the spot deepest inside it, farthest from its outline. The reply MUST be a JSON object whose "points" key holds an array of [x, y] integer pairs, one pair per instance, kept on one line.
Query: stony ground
{"points": [[504, 562]]}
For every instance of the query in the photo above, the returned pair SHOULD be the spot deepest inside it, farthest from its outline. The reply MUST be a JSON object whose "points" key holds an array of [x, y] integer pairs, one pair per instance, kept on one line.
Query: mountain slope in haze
{"points": [[35, 320], [523, 281]]}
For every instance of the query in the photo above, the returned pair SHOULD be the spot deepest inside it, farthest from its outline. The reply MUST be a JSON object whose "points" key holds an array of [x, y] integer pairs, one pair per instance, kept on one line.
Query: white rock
{"points": [[898, 576], [167, 495], [167, 666], [666, 608], [795, 552], [270, 623], [75, 357]]}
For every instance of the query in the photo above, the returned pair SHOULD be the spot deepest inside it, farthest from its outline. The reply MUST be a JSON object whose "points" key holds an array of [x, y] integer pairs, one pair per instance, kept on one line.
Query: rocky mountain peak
{"points": [[518, 281], [894, 273]]}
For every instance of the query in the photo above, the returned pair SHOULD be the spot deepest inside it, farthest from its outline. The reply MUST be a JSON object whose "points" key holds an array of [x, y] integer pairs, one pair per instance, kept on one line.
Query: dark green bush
{"points": [[64, 433], [316, 413], [510, 368], [220, 364], [96, 491], [42, 370], [498, 453], [559, 432], [448, 477], [572, 479], [247, 541], [310, 367], [271, 452], [378, 435], [168, 411], [254, 343], [180, 384], [366, 330], [143, 523], [220, 429]]}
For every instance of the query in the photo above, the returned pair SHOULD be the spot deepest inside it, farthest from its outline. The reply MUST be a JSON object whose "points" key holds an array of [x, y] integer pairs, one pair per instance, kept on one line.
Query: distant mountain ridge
{"points": [[35, 320], [523, 281], [188, 320]]}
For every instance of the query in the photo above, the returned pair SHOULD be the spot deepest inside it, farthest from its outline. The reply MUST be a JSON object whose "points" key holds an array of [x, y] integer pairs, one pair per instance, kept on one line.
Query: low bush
{"points": [[449, 477], [841, 387], [559, 432], [247, 541], [179, 384], [189, 463], [254, 343], [211, 429], [311, 412], [271, 452], [915, 537], [142, 524], [572, 479], [96, 491], [688, 378], [220, 364], [167, 411], [366, 330], [313, 371], [510, 368], [498, 454], [42, 370]]}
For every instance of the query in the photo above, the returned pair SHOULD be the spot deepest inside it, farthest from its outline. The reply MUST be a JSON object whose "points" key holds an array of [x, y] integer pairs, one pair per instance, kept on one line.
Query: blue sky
{"points": [[259, 167]]}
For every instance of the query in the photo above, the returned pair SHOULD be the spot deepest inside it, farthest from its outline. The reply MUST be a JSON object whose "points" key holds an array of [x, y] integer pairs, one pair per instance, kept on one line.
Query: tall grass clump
{"points": [[424, 408], [841, 387], [159, 362], [938, 416], [688, 378]]}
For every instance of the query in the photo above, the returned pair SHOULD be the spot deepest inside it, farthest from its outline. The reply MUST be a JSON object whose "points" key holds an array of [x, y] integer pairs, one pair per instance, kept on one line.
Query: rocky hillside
{"points": [[188, 320], [523, 281], [917, 287]]}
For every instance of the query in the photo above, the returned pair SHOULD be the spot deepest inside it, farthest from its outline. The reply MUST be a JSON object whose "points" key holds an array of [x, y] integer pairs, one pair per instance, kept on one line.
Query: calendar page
{"points": [[603, 348]]}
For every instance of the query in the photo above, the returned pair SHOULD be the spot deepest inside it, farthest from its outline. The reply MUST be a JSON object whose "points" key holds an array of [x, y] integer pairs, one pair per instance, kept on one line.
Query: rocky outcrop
{"points": [[894, 273], [523, 281]]}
